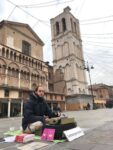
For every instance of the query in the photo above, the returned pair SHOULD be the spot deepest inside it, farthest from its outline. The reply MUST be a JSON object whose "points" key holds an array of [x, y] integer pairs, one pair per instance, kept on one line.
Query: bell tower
{"points": [[68, 54]]}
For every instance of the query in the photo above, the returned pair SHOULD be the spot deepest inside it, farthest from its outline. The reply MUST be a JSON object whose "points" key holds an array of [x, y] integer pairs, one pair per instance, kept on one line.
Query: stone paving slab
{"points": [[97, 139], [103, 147], [98, 132]]}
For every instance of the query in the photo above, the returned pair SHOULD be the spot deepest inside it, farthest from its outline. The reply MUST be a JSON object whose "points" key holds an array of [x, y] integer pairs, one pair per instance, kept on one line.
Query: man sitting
{"points": [[36, 112]]}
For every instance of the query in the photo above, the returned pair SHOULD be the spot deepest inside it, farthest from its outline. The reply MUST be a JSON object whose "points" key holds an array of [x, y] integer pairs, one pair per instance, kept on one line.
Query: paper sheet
{"points": [[10, 139], [33, 146]]}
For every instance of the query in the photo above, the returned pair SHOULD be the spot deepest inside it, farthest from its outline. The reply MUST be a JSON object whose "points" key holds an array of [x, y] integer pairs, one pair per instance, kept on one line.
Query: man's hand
{"points": [[47, 119], [58, 113]]}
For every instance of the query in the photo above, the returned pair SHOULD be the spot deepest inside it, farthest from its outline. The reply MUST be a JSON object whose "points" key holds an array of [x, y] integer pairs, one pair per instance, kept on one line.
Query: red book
{"points": [[23, 138]]}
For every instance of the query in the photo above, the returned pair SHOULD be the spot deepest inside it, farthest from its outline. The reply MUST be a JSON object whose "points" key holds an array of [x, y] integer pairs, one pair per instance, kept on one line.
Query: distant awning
{"points": [[100, 101]]}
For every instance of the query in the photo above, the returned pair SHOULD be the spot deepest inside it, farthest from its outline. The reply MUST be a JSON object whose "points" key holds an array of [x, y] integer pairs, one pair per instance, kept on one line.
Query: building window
{"points": [[2, 69], [50, 76], [15, 56], [71, 24], [51, 96], [75, 28], [11, 55], [7, 53], [57, 28], [83, 91], [101, 96], [55, 97], [26, 48], [51, 87], [3, 52], [79, 90], [6, 93], [20, 94], [64, 24]]}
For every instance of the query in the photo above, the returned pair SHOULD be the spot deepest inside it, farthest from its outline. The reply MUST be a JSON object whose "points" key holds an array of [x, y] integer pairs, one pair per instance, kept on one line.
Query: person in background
{"points": [[88, 106], [36, 112]]}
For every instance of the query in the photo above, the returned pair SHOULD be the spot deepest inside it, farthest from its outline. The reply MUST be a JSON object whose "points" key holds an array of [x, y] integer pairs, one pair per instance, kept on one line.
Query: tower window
{"points": [[75, 28], [26, 48], [6, 93], [57, 28], [64, 24], [71, 24]]}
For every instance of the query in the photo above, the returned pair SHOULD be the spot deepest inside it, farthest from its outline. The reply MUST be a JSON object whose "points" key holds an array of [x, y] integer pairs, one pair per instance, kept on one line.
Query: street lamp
{"points": [[88, 69]]}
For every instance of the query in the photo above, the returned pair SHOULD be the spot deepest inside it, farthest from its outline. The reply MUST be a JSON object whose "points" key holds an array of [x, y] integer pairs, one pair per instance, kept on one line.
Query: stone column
{"points": [[52, 105], [9, 108], [65, 106], [6, 72], [19, 79], [21, 107], [30, 82]]}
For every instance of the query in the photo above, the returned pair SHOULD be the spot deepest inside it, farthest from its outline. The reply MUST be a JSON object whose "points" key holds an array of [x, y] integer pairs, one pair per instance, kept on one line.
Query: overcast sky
{"points": [[96, 25]]}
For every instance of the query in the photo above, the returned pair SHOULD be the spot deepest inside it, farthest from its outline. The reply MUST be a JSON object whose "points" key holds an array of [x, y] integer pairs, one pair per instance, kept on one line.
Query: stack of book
{"points": [[24, 138]]}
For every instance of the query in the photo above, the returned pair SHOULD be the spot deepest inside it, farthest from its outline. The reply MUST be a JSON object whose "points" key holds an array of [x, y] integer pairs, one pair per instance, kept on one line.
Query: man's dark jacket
{"points": [[35, 110]]}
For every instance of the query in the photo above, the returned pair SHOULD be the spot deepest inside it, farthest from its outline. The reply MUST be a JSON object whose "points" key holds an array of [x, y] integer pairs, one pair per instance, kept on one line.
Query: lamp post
{"points": [[88, 69]]}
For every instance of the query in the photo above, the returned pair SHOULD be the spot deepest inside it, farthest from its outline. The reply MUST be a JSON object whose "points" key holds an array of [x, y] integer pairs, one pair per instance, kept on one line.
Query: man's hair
{"points": [[37, 87]]}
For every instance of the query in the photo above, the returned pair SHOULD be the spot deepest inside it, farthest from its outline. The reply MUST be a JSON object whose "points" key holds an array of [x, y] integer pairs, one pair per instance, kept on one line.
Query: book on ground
{"points": [[24, 138]]}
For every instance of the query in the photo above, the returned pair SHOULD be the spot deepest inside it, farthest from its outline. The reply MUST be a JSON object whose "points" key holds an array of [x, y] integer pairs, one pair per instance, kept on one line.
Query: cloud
{"points": [[96, 51]]}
